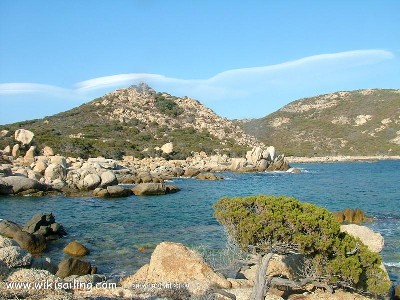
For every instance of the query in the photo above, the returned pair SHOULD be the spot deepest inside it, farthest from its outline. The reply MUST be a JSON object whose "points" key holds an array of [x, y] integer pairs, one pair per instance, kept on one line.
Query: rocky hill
{"points": [[362, 122], [137, 121]]}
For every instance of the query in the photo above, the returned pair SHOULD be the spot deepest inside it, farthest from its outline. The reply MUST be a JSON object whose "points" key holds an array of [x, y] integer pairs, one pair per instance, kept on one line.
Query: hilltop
{"points": [[137, 121], [362, 122]]}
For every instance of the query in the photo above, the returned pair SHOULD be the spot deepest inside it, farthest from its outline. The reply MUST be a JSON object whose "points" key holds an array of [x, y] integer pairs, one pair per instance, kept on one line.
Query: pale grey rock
{"points": [[55, 171], [30, 155], [24, 136], [14, 256], [237, 163], [7, 150], [59, 160], [167, 148], [20, 184], [91, 181], [108, 178], [15, 151], [4, 133], [373, 240], [40, 166], [149, 189], [48, 151]]}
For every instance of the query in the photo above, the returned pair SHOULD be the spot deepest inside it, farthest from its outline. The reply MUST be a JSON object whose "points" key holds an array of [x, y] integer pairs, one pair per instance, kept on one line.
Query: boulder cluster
{"points": [[24, 170]]}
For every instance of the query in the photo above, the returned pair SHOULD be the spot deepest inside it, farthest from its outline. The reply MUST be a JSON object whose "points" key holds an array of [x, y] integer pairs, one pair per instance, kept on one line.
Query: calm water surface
{"points": [[114, 229]]}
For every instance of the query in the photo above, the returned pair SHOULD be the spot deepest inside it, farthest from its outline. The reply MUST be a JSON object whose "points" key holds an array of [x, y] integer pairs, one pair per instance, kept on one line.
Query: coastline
{"points": [[339, 158]]}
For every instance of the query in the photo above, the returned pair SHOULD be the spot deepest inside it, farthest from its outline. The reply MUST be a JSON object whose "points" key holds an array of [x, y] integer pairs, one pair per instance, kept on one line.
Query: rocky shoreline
{"points": [[25, 170], [173, 272], [339, 158]]}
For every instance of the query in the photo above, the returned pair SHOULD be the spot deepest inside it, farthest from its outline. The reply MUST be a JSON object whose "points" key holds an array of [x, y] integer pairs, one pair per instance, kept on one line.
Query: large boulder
{"points": [[279, 164], [20, 184], [237, 163], [55, 171], [191, 172], [73, 266], [15, 151], [45, 225], [108, 178], [254, 155], [76, 249], [40, 167], [8, 228], [14, 256], [149, 189], [91, 181], [373, 240], [173, 262], [24, 136], [29, 157], [167, 148], [34, 243], [118, 191]]}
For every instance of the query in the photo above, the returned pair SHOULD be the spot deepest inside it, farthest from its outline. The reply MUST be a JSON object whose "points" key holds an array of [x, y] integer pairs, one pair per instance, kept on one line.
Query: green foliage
{"points": [[264, 222], [167, 106], [331, 129]]}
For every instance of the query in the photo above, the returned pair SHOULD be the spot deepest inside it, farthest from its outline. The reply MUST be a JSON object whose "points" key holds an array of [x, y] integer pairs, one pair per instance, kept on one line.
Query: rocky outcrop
{"points": [[76, 249], [260, 160], [373, 240], [8, 228], [73, 266], [350, 216], [173, 262]]}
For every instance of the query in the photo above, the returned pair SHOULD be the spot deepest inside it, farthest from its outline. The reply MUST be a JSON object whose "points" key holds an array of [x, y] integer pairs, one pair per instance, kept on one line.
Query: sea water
{"points": [[122, 233]]}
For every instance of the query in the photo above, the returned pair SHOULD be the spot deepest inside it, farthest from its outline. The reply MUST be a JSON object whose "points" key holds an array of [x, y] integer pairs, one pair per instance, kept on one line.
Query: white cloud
{"points": [[246, 84]]}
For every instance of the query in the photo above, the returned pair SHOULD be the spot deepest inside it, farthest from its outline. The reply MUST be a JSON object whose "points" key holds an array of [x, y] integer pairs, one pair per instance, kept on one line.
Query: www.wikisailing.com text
{"points": [[59, 285]]}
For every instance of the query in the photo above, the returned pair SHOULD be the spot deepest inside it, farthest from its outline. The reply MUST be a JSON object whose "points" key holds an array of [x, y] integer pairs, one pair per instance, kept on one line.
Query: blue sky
{"points": [[242, 59]]}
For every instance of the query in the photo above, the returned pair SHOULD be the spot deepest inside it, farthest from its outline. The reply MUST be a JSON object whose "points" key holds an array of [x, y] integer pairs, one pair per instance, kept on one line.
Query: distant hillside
{"points": [[363, 122], [134, 121]]}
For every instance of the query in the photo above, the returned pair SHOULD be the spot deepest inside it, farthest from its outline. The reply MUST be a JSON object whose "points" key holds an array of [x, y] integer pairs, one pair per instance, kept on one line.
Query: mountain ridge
{"points": [[360, 122], [137, 121]]}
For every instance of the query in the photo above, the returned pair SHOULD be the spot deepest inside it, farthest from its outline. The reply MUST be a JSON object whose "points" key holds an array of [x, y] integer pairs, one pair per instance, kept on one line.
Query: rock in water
{"points": [[118, 191], [24, 136], [76, 249], [21, 184], [149, 189], [34, 243], [73, 266]]}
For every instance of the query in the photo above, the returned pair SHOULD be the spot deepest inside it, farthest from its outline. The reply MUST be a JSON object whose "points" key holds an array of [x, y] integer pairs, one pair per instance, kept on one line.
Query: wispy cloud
{"points": [[240, 84]]}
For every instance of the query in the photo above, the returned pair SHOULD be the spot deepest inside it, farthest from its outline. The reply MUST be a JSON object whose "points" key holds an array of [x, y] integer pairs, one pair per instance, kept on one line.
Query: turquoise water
{"points": [[113, 229]]}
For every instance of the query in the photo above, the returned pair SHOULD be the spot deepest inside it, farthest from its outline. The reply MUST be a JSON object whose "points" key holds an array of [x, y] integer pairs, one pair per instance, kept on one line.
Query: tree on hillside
{"points": [[267, 225]]}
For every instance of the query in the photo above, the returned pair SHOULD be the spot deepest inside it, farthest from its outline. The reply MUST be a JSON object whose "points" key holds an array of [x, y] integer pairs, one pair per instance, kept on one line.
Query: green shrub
{"points": [[263, 222], [167, 106]]}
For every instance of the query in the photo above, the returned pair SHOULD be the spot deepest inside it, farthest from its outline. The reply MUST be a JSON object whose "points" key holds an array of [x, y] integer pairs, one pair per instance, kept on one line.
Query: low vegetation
{"points": [[266, 224], [363, 122]]}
